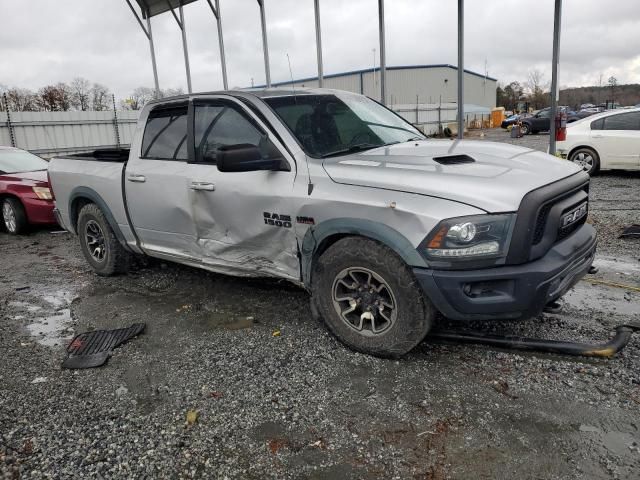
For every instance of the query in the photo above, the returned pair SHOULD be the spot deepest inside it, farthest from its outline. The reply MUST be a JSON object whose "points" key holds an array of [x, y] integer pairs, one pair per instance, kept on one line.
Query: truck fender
{"points": [[319, 237], [93, 197]]}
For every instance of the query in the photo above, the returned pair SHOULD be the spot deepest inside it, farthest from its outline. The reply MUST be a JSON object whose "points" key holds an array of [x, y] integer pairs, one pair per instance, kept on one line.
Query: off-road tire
{"points": [[415, 313], [20, 222], [116, 258], [595, 166]]}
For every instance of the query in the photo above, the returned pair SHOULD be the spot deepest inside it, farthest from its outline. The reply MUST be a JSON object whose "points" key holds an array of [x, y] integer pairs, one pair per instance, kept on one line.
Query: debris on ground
{"points": [[93, 349]]}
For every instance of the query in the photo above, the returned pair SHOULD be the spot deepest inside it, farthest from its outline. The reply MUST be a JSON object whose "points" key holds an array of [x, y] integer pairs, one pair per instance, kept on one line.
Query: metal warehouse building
{"points": [[423, 94]]}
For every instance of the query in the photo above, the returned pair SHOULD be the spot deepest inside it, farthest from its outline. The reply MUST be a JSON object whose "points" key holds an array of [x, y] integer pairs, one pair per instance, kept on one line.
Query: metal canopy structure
{"points": [[151, 8]]}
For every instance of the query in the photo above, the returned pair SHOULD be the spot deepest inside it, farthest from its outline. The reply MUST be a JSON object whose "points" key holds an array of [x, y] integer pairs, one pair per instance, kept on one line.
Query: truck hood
{"points": [[495, 181]]}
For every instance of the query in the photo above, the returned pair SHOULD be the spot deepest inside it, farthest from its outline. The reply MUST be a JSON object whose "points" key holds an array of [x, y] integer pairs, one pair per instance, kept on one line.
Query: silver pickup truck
{"points": [[340, 195]]}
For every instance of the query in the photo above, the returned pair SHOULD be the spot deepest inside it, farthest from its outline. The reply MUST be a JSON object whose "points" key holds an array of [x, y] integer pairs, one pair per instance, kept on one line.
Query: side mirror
{"points": [[244, 157]]}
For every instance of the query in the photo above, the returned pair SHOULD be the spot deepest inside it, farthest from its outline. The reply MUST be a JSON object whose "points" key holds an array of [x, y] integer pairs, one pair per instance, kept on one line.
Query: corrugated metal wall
{"points": [[404, 84], [50, 133]]}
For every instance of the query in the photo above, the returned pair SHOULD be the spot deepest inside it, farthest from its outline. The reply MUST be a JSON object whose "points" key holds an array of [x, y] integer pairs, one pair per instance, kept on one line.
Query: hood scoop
{"points": [[454, 159]]}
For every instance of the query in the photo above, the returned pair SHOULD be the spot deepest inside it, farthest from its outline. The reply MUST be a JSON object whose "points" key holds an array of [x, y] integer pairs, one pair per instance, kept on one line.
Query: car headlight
{"points": [[468, 238], [43, 193]]}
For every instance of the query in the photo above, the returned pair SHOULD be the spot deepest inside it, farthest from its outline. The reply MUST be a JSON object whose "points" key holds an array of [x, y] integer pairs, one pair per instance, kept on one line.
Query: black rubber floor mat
{"points": [[632, 231], [93, 349]]}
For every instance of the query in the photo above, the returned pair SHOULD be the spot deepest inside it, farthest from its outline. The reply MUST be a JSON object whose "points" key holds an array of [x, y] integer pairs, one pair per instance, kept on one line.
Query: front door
{"points": [[617, 140], [243, 220]]}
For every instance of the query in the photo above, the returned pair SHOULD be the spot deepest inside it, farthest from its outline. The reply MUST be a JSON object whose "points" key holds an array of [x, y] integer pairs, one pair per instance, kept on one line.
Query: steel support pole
{"points": [[383, 63], [223, 61], [316, 5], [153, 58], [184, 47], [460, 69], [265, 46], [557, 15]]}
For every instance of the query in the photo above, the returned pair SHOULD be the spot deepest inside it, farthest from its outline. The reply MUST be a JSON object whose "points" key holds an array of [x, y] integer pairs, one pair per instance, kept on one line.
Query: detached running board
{"points": [[607, 350]]}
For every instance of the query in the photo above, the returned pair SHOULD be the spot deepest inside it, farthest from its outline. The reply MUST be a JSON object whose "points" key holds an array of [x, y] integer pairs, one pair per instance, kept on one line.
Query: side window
{"points": [[544, 114], [221, 125], [165, 135], [597, 124], [623, 121]]}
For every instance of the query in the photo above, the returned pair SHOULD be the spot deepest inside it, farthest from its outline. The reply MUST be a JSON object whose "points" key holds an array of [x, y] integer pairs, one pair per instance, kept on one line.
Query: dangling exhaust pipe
{"points": [[606, 350]]}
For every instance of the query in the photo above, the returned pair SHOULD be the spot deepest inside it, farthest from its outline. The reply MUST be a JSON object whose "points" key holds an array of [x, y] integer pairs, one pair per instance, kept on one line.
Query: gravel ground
{"points": [[298, 404]]}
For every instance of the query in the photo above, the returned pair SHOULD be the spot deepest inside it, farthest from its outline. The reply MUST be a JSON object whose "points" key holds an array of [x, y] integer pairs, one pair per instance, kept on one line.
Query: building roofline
{"points": [[377, 69]]}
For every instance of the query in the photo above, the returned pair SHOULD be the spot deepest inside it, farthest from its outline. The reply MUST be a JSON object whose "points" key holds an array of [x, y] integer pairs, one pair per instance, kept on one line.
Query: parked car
{"points": [[25, 196], [541, 120], [511, 120], [334, 192], [604, 141]]}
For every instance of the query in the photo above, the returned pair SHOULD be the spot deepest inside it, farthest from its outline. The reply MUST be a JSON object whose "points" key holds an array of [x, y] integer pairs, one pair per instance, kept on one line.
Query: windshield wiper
{"points": [[353, 148], [414, 139]]}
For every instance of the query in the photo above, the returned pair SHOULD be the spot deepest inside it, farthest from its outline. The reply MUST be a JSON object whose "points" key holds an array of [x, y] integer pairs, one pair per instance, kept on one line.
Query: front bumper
{"points": [[512, 291]]}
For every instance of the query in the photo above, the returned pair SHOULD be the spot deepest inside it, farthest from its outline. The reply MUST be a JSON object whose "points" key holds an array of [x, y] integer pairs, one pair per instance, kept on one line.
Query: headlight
{"points": [[43, 193], [468, 238]]}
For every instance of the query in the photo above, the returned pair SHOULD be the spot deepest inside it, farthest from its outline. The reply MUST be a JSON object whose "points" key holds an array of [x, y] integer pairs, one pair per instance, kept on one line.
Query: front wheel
{"points": [[369, 298], [99, 244], [525, 129], [587, 159]]}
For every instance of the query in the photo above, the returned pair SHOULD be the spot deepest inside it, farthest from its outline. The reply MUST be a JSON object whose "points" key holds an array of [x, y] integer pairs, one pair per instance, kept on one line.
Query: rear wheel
{"points": [[99, 244], [369, 298], [586, 158], [14, 218]]}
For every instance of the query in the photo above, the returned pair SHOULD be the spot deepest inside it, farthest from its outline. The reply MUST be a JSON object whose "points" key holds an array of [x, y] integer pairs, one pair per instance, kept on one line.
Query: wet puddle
{"points": [[52, 330], [606, 298], [51, 326]]}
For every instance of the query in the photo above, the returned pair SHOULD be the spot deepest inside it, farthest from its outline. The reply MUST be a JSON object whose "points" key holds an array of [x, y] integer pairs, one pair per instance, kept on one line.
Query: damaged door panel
{"points": [[243, 219]]}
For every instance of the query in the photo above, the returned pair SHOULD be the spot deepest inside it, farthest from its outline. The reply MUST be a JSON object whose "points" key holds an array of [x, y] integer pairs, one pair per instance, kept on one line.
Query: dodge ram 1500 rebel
{"points": [[340, 195]]}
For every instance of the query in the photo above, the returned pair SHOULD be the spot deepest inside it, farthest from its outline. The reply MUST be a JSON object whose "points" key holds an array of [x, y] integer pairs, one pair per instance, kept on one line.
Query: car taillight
{"points": [[43, 193]]}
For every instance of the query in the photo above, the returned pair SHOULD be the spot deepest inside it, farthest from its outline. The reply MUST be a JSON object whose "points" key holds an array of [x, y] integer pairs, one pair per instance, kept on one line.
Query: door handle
{"points": [[209, 187], [137, 178], [597, 136]]}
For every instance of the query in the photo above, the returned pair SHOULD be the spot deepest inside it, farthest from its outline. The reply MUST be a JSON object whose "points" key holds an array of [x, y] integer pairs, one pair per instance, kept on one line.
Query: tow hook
{"points": [[606, 350]]}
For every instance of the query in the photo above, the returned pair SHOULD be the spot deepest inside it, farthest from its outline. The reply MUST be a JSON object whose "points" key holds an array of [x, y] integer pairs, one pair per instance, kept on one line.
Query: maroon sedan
{"points": [[25, 194]]}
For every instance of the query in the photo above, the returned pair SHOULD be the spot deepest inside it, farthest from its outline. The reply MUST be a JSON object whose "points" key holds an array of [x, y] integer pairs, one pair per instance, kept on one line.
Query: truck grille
{"points": [[538, 225]]}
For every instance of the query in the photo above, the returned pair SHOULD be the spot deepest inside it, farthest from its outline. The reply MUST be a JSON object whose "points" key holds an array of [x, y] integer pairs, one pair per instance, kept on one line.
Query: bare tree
{"points": [[64, 97], [80, 93], [138, 98], [49, 98], [171, 92], [142, 95], [100, 97], [536, 86], [22, 100]]}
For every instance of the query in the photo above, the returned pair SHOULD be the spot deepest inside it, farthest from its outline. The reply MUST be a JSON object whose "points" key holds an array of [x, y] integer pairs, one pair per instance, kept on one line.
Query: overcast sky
{"points": [[46, 41]]}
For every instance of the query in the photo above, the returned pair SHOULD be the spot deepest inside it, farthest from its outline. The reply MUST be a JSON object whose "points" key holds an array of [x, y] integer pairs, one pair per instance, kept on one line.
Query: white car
{"points": [[605, 141]]}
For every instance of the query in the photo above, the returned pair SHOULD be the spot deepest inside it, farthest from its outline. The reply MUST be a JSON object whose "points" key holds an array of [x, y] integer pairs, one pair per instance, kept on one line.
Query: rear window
{"points": [[620, 121], [14, 161], [165, 135]]}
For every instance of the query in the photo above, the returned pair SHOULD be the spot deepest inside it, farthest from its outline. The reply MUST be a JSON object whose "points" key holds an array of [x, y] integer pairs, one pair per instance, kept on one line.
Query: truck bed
{"points": [[91, 177]]}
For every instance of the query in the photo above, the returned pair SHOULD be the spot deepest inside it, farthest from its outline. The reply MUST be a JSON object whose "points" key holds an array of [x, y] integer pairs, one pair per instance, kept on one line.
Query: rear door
{"points": [[156, 185], [243, 220], [617, 140]]}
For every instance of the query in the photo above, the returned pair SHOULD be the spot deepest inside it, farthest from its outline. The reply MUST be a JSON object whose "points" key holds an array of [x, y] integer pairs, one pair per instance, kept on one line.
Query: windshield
{"points": [[14, 161], [336, 124]]}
